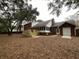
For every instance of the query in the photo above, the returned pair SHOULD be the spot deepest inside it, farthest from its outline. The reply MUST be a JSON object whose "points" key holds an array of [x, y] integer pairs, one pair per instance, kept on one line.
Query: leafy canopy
{"points": [[16, 11], [57, 5]]}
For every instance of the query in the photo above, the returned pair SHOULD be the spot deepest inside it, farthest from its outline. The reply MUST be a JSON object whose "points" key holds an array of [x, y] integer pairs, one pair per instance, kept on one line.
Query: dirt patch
{"points": [[47, 47]]}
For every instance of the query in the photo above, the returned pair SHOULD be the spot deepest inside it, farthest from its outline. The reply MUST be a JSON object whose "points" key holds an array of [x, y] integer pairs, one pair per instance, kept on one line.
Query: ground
{"points": [[43, 47]]}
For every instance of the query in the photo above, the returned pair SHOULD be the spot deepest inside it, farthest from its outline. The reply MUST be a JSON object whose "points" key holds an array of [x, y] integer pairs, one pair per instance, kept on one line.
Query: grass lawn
{"points": [[50, 47]]}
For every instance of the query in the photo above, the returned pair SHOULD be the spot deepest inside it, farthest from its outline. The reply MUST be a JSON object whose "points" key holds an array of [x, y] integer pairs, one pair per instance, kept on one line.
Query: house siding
{"points": [[27, 26], [53, 30], [72, 27], [77, 32]]}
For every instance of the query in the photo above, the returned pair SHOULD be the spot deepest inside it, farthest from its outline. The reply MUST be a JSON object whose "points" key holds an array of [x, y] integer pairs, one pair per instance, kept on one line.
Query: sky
{"points": [[45, 15]]}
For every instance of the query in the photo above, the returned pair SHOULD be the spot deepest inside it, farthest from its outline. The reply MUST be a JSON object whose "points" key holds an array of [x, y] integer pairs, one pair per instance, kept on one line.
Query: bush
{"points": [[29, 33], [34, 33]]}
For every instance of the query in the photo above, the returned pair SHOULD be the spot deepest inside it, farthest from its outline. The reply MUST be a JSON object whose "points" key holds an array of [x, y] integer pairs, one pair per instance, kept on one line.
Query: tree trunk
{"points": [[20, 28], [9, 32]]}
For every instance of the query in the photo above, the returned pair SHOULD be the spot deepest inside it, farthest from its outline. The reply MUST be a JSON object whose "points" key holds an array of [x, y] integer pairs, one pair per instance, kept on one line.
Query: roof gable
{"points": [[66, 24], [72, 22]]}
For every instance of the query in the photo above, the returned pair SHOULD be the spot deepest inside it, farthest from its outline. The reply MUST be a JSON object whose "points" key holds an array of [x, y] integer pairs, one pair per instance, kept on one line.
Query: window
{"points": [[44, 28], [47, 28]]}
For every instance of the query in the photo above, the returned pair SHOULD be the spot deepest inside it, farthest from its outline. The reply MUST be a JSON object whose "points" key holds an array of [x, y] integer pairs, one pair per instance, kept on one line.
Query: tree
{"points": [[2, 27], [57, 5], [15, 11], [7, 17], [7, 22], [24, 12]]}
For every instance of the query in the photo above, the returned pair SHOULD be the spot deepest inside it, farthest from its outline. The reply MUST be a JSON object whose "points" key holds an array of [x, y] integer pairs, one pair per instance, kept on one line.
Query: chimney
{"points": [[53, 21]]}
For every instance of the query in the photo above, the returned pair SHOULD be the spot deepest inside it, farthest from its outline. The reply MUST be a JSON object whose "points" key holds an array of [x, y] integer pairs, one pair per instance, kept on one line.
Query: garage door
{"points": [[66, 31]]}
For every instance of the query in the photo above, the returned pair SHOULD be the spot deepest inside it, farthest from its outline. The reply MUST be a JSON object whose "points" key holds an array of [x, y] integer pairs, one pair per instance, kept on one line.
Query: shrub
{"points": [[29, 33], [34, 33]]}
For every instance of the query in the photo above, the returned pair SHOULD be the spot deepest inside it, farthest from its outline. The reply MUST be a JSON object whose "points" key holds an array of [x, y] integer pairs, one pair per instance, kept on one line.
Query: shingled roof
{"points": [[71, 22], [42, 24], [58, 24], [61, 23]]}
